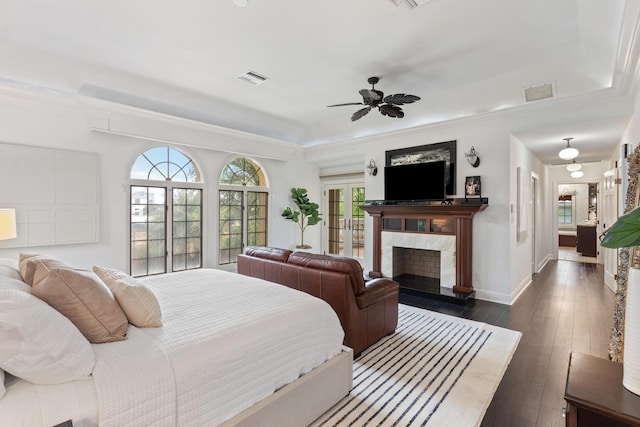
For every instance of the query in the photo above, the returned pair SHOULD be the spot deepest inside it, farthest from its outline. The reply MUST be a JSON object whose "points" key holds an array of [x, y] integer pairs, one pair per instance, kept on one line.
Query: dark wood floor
{"points": [[567, 308]]}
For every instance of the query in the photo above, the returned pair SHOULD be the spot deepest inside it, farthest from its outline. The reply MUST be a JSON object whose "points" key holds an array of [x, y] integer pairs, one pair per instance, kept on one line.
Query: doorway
{"points": [[577, 219], [343, 225]]}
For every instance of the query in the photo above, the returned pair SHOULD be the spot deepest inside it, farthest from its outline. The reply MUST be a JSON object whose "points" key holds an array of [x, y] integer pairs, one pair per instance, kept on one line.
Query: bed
{"points": [[232, 350]]}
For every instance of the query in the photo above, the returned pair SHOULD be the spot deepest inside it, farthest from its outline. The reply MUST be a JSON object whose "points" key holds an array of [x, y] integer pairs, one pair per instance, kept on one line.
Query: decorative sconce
{"points": [[472, 157], [372, 169], [8, 224]]}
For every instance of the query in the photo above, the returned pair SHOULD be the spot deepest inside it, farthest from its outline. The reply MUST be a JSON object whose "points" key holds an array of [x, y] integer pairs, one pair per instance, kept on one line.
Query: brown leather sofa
{"points": [[367, 311]]}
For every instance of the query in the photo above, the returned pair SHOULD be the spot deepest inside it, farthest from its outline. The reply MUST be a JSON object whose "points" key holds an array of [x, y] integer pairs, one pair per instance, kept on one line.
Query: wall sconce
{"points": [[372, 169], [472, 157], [8, 224]]}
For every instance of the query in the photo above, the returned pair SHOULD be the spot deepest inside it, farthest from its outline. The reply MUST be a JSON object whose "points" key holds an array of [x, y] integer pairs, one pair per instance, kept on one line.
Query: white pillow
{"points": [[10, 276], [138, 302], [39, 344]]}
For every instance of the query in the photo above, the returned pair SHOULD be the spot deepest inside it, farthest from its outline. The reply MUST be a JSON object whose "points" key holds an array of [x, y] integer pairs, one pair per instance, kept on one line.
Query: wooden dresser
{"points": [[595, 395]]}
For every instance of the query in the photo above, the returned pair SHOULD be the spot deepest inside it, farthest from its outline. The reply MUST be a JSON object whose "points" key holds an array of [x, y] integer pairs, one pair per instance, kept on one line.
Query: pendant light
{"points": [[568, 152], [577, 174], [573, 166]]}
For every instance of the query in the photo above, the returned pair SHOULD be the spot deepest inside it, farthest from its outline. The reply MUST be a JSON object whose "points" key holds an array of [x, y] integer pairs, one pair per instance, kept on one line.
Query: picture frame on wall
{"points": [[472, 187], [428, 153]]}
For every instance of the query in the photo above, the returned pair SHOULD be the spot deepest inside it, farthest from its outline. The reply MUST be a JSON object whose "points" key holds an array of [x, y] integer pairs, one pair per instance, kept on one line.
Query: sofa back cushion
{"points": [[348, 266], [274, 254]]}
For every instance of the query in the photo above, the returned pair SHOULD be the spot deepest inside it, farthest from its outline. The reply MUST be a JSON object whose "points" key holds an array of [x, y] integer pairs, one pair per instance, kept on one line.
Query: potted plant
{"points": [[625, 233], [306, 215]]}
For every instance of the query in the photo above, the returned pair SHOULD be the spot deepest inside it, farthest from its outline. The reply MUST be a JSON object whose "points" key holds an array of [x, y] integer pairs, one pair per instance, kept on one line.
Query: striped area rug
{"points": [[435, 370]]}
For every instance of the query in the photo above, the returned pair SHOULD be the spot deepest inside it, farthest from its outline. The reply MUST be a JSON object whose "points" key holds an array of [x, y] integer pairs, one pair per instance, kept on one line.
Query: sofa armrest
{"points": [[377, 290]]}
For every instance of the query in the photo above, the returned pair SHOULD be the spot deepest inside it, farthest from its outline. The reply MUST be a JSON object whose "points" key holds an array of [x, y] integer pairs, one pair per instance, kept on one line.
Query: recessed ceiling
{"points": [[184, 58]]}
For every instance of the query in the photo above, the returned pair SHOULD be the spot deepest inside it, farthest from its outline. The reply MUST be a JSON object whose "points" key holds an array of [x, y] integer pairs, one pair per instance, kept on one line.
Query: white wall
{"points": [[522, 260], [65, 125]]}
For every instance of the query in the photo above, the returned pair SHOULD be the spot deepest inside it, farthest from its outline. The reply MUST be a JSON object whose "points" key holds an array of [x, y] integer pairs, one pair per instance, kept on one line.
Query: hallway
{"points": [[566, 308], [570, 254]]}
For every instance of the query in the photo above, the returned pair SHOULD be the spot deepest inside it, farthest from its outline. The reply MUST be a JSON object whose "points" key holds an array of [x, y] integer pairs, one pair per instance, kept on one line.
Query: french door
{"points": [[243, 221], [165, 232], [343, 223]]}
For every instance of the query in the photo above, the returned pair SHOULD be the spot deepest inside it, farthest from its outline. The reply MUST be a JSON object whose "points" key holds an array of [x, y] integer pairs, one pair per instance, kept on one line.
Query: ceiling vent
{"points": [[252, 77], [416, 3], [536, 93]]}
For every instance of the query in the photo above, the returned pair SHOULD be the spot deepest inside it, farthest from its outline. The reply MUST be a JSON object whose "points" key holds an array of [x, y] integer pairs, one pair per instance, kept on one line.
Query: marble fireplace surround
{"points": [[445, 244]]}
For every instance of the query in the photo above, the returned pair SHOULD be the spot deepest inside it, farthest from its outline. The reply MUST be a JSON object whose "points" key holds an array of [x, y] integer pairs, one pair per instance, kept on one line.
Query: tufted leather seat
{"points": [[367, 311]]}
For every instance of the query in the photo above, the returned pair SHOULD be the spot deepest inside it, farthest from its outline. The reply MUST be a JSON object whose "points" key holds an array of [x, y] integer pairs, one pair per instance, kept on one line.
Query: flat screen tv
{"points": [[416, 181]]}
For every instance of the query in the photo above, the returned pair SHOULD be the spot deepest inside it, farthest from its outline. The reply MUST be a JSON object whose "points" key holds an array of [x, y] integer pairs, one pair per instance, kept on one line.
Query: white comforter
{"points": [[227, 342]]}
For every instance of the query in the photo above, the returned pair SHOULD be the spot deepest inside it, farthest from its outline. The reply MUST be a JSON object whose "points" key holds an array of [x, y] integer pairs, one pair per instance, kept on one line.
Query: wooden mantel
{"points": [[458, 210]]}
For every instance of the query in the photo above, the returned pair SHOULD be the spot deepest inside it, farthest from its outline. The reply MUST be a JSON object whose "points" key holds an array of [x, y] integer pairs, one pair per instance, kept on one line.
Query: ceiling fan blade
{"points": [[360, 113], [349, 103], [370, 96], [391, 110], [401, 99]]}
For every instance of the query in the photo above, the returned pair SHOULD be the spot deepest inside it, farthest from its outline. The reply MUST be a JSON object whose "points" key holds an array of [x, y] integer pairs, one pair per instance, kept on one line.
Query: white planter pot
{"points": [[631, 363]]}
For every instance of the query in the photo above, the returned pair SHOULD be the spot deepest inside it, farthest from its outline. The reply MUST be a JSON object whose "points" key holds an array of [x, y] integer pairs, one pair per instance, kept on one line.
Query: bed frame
{"points": [[301, 402]]}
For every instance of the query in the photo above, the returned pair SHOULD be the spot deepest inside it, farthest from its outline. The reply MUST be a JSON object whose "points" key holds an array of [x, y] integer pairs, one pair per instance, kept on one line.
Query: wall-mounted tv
{"points": [[416, 181]]}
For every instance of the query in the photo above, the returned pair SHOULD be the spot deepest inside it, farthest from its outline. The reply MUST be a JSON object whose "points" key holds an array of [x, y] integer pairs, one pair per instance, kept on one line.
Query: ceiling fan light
{"points": [[572, 167], [568, 153], [577, 174]]}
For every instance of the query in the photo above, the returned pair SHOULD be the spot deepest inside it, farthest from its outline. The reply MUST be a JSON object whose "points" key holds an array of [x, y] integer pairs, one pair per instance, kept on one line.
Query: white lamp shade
{"points": [[568, 153], [577, 174], [7, 224], [572, 167]]}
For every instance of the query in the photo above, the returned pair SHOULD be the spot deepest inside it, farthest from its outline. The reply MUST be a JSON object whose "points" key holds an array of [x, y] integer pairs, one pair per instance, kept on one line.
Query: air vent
{"points": [[543, 91], [416, 3], [252, 77]]}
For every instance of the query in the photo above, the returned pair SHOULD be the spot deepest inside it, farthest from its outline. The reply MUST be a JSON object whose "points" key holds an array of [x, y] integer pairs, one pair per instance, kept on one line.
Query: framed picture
{"points": [[429, 153], [472, 187]]}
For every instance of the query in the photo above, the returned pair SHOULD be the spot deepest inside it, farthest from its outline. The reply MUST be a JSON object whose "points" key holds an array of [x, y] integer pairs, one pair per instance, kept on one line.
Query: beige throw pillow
{"points": [[82, 297], [28, 264], [138, 302]]}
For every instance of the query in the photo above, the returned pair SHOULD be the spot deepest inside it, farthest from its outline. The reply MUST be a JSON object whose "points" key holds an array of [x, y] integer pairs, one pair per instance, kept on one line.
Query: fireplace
{"points": [[416, 262], [435, 226], [417, 269]]}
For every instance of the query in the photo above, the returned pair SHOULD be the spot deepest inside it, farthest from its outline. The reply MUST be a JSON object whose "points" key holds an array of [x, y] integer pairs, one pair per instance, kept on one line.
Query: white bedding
{"points": [[227, 342]]}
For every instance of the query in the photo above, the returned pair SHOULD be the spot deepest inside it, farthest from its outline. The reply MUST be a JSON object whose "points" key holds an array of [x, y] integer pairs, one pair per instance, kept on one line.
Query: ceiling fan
{"points": [[373, 98]]}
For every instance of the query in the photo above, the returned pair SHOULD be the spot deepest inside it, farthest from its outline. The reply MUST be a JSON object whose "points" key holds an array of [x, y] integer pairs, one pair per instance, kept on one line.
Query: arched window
{"points": [[165, 212], [243, 208]]}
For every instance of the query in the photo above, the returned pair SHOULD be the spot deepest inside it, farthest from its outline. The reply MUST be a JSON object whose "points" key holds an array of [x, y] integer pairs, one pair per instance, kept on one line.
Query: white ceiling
{"points": [[461, 57]]}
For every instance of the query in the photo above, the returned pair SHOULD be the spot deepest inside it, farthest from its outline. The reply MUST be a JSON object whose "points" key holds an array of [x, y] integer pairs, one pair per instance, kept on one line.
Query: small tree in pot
{"points": [[305, 216]]}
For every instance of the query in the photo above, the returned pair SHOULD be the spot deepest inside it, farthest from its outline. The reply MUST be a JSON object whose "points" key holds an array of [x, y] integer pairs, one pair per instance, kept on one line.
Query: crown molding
{"points": [[117, 119]]}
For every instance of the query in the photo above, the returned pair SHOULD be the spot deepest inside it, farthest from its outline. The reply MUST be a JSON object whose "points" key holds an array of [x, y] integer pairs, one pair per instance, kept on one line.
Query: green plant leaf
{"points": [[289, 214], [624, 232]]}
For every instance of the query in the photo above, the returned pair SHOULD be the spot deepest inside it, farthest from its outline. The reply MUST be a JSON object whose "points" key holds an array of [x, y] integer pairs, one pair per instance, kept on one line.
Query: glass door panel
{"points": [[148, 231], [230, 244], [336, 222], [344, 220]]}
